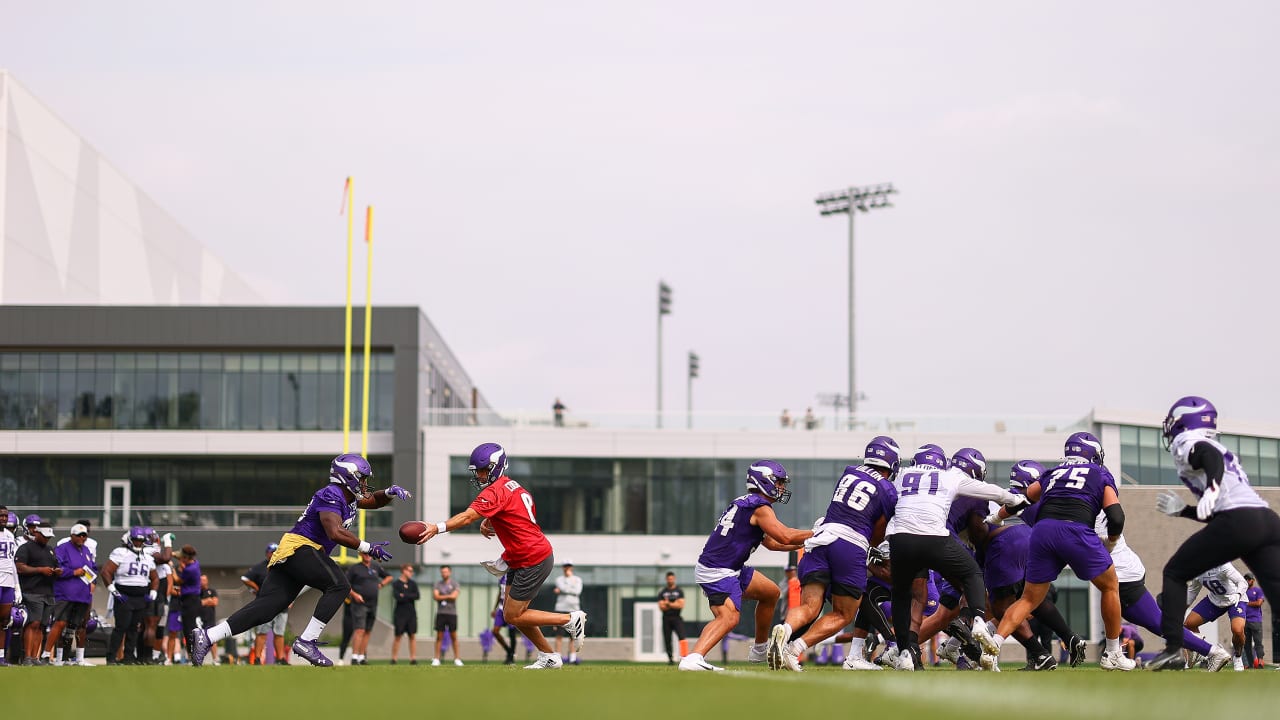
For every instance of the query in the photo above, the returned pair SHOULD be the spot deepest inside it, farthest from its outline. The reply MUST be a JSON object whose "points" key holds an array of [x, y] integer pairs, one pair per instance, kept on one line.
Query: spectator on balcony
{"points": [[810, 420], [366, 579], [37, 565], [785, 420], [558, 409], [72, 594]]}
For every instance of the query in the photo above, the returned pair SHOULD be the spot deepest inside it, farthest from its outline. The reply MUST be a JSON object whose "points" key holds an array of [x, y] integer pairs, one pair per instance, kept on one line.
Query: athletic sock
{"points": [[857, 647], [79, 655], [218, 632], [314, 628], [1113, 644], [798, 646]]}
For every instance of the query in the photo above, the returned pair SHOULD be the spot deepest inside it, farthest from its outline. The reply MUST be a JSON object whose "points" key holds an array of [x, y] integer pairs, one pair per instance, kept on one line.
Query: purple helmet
{"points": [[769, 478], [352, 472], [272, 547], [150, 532], [491, 457], [882, 452], [138, 534], [11, 521], [930, 455], [18, 615], [1189, 413], [1023, 473], [972, 462], [1084, 447], [92, 623], [32, 520]]}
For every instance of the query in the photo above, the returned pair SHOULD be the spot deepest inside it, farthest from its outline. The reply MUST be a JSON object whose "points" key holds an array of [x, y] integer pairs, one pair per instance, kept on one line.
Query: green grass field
{"points": [[636, 691]]}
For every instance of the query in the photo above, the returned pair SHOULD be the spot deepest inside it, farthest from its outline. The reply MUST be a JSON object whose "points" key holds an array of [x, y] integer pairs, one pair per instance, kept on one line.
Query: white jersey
{"points": [[1233, 492], [89, 544], [925, 495], [133, 569], [8, 570], [1129, 567], [570, 587], [1224, 585], [162, 569]]}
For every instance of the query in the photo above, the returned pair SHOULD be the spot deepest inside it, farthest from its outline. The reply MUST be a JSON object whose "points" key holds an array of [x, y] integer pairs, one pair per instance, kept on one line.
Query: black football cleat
{"points": [[1168, 659]]}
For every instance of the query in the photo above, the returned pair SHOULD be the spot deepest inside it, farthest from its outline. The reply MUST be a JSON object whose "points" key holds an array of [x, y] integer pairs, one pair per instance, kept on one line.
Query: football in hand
{"points": [[412, 530]]}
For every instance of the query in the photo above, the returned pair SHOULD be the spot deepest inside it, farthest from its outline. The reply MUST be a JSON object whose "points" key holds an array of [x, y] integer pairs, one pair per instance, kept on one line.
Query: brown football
{"points": [[412, 530]]}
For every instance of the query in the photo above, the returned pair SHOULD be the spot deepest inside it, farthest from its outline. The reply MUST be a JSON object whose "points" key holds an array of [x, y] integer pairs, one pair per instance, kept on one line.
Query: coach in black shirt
{"points": [[36, 564], [405, 617], [671, 602]]}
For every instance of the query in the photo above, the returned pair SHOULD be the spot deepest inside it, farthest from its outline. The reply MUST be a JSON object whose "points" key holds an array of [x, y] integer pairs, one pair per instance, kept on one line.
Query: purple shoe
{"points": [[200, 646], [307, 650]]}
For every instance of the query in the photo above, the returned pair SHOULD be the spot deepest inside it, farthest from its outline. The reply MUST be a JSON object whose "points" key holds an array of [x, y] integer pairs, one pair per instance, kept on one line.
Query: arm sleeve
{"points": [[1115, 519], [986, 491], [1206, 457]]}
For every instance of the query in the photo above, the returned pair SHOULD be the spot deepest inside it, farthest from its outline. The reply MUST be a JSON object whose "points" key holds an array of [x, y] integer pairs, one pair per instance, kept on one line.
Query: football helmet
{"points": [[487, 456], [18, 616], [930, 455], [1023, 473], [1084, 447], [138, 536], [352, 472], [769, 478], [971, 461], [1189, 413], [11, 521], [882, 452]]}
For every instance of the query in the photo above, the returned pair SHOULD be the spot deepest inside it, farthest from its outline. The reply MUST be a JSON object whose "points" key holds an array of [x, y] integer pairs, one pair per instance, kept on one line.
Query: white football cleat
{"points": [[758, 653], [545, 661], [950, 651], [984, 637], [989, 662], [790, 660], [1239, 664], [695, 663], [1112, 660], [497, 568], [577, 628], [1217, 658], [856, 663], [777, 641], [904, 662]]}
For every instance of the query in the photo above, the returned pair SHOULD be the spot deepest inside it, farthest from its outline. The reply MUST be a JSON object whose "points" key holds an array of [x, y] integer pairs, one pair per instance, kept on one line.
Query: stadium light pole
{"points": [[664, 308], [848, 201]]}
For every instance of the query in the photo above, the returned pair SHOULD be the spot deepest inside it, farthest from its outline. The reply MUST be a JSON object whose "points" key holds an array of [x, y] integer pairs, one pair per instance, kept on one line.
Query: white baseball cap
{"points": [[79, 529], [45, 530]]}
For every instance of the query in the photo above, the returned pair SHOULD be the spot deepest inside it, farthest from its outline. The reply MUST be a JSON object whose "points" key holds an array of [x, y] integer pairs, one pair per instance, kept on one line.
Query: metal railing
{"points": [[210, 517]]}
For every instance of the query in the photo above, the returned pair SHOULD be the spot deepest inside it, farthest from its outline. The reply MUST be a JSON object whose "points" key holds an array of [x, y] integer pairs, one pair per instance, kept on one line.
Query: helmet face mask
{"points": [[138, 536], [769, 478], [487, 463], [1189, 413], [353, 473], [1084, 447]]}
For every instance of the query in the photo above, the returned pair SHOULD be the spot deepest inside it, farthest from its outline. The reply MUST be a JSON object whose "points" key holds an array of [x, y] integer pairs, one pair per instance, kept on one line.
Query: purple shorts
{"points": [[1210, 612], [1056, 544], [175, 622], [730, 588], [840, 566], [1006, 557], [6, 596]]}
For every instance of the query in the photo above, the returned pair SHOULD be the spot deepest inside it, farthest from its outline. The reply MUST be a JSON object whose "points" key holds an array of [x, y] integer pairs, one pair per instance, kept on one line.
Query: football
{"points": [[412, 530]]}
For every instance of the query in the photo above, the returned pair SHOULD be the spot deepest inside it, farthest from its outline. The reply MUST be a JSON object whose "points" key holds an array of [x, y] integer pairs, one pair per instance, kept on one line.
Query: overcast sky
{"points": [[1086, 218]]}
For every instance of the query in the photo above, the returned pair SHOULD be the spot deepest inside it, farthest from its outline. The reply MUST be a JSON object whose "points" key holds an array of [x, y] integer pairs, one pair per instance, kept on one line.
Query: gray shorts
{"points": [[524, 583], [274, 625], [363, 615]]}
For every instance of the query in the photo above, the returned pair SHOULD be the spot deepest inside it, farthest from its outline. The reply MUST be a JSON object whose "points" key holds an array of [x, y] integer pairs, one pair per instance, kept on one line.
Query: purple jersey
{"points": [[961, 509], [1074, 492], [860, 500], [734, 538], [1253, 614], [189, 578], [329, 498], [66, 585]]}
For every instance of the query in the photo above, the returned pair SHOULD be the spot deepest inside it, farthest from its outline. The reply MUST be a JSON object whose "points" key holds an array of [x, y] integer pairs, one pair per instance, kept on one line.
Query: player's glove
{"points": [[167, 539], [378, 551], [1170, 504], [1204, 508], [396, 491], [111, 588], [1018, 505], [993, 519], [151, 596]]}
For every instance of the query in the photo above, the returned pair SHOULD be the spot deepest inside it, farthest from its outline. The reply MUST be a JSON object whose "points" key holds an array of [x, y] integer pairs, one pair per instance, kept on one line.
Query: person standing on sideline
{"points": [[671, 603], [253, 578], [130, 575], [366, 578], [568, 599], [722, 571], [8, 577], [188, 580], [91, 545], [1255, 649], [1238, 523], [37, 565], [508, 511], [72, 595], [303, 560], [558, 409], [445, 593], [209, 611], [405, 616]]}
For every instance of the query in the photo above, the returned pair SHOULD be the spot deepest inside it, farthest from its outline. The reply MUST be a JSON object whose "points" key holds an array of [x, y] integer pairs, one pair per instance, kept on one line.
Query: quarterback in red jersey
{"points": [[508, 511]]}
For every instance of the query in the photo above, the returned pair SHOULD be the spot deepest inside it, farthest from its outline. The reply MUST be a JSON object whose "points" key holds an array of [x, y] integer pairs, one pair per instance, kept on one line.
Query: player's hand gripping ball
{"points": [[412, 530]]}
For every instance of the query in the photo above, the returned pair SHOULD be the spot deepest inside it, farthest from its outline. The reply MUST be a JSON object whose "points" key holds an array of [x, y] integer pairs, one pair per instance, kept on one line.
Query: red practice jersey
{"points": [[510, 509]]}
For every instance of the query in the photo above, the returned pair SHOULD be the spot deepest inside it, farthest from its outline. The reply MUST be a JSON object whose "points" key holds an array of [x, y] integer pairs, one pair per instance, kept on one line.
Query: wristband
{"points": [[364, 546], [441, 527]]}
